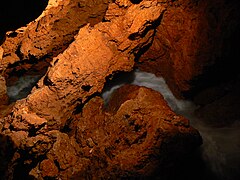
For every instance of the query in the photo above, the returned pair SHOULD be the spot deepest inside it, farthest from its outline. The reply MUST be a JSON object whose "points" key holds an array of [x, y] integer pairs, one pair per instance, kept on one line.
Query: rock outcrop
{"points": [[138, 135], [61, 130], [33, 47], [81, 70], [52, 31]]}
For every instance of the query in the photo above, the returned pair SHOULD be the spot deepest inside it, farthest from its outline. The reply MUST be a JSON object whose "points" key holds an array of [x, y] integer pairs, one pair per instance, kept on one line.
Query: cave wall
{"points": [[195, 45], [46, 132], [84, 49]]}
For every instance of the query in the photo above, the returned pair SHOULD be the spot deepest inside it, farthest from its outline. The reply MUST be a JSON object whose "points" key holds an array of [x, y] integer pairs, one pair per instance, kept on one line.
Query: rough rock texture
{"points": [[193, 36], [77, 74], [137, 136], [49, 34], [3, 91], [37, 136]]}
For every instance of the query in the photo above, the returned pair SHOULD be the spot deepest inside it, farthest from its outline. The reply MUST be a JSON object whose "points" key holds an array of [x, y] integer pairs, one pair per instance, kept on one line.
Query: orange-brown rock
{"points": [[62, 129], [48, 168], [136, 137], [81, 70], [36, 124], [192, 36], [52, 31], [47, 36], [3, 91]]}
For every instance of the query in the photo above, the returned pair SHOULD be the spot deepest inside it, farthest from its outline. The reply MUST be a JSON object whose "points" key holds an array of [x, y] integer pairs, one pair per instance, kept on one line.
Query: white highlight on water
{"points": [[22, 87], [221, 146]]}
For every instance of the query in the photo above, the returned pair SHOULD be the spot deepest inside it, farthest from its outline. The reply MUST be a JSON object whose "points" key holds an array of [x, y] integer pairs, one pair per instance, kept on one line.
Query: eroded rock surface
{"points": [[52, 31], [136, 136], [82, 69], [34, 46], [40, 128]]}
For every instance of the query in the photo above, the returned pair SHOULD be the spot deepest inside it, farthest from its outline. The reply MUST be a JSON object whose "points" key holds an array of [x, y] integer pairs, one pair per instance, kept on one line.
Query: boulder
{"points": [[136, 136]]}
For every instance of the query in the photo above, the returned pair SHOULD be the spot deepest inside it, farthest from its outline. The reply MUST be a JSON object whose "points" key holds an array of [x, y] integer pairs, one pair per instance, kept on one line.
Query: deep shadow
{"points": [[20, 81], [224, 67], [15, 14], [6, 154], [135, 1]]}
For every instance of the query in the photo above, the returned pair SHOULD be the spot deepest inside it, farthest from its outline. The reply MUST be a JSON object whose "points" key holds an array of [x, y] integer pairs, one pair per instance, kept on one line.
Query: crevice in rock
{"points": [[86, 88], [24, 165], [144, 48], [135, 1], [80, 104], [22, 76]]}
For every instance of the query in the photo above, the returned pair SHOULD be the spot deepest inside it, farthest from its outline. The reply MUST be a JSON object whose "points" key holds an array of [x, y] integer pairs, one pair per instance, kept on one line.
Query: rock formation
{"points": [[136, 136], [62, 130], [195, 45], [52, 31], [44, 136]]}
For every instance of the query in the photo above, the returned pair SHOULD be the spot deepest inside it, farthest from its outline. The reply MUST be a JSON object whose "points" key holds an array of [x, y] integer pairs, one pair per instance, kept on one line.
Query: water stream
{"points": [[22, 87], [220, 151]]}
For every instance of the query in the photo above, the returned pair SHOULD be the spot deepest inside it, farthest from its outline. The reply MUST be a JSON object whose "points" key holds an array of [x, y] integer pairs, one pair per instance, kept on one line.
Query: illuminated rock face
{"points": [[52, 31], [62, 130], [138, 127], [138, 135], [81, 70], [47, 135]]}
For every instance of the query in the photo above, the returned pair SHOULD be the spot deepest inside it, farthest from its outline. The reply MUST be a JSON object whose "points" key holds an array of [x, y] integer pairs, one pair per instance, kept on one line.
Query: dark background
{"points": [[15, 14]]}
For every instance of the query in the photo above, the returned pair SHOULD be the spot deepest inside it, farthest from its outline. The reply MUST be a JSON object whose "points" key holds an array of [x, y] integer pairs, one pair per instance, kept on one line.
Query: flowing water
{"points": [[220, 151], [22, 87]]}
